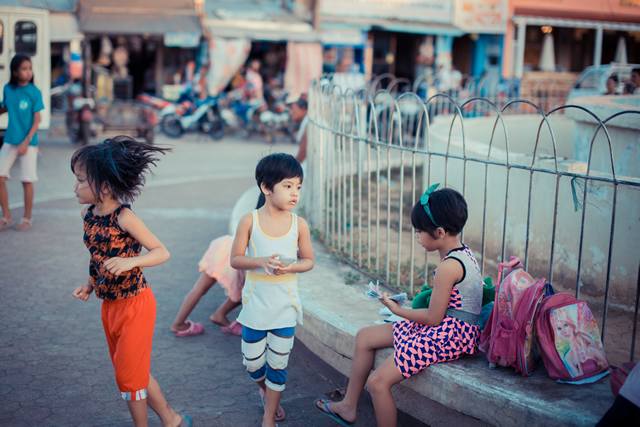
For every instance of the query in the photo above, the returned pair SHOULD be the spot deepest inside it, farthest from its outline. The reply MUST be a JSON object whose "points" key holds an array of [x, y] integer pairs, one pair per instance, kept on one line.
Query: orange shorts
{"points": [[128, 325]]}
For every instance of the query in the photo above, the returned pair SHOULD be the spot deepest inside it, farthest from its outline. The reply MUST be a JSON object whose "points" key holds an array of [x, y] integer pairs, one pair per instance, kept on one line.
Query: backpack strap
{"points": [[513, 264]]}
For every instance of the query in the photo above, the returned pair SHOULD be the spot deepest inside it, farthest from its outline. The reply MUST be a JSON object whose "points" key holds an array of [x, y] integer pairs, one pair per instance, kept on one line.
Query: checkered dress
{"points": [[417, 346]]}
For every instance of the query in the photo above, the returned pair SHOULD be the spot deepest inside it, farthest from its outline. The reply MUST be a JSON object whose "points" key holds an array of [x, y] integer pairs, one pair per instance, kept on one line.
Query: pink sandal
{"points": [[194, 329], [279, 411], [234, 328]]}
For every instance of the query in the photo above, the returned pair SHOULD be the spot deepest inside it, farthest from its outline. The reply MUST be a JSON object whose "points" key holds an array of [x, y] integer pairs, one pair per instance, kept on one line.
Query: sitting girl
{"points": [[441, 333]]}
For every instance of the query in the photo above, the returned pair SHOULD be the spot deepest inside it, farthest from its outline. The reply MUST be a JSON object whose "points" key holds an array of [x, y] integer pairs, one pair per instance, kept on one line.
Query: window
{"points": [[1, 37], [26, 37], [590, 81]]}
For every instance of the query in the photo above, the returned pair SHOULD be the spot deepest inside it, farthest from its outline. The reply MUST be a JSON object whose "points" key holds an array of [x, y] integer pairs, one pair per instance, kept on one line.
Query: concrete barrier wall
{"points": [[521, 131]]}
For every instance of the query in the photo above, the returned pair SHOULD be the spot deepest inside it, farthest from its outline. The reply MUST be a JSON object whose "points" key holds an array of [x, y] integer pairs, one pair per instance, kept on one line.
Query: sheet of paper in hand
{"points": [[374, 292]]}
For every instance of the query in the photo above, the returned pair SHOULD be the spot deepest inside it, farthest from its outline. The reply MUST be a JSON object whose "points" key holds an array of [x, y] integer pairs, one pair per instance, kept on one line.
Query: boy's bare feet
{"points": [[270, 423], [219, 319]]}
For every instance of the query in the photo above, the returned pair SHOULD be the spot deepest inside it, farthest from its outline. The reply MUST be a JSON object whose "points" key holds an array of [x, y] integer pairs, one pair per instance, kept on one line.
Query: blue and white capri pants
{"points": [[266, 355]]}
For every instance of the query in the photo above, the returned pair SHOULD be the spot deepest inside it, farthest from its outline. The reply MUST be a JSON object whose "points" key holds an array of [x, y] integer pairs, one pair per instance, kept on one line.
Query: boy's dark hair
{"points": [[302, 103], [16, 62], [636, 70], [449, 210], [118, 164], [277, 167], [614, 77]]}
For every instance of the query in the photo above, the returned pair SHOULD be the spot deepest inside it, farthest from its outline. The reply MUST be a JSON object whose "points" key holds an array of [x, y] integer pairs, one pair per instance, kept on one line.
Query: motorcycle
{"points": [[206, 117], [165, 108], [60, 98], [79, 115], [279, 120]]}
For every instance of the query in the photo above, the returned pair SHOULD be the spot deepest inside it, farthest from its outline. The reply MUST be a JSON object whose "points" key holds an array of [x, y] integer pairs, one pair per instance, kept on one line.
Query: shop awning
{"points": [[141, 17], [256, 20], [575, 23], [63, 27], [400, 26]]}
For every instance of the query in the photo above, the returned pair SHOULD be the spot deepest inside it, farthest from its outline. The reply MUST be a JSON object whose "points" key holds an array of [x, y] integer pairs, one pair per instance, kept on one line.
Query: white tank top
{"points": [[270, 301]]}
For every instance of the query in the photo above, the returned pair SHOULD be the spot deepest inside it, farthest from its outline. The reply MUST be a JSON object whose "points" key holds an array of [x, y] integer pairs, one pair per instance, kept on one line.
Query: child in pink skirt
{"points": [[215, 267]]}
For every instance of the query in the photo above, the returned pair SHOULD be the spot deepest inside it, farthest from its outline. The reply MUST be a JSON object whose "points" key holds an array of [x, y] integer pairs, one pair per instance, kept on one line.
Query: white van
{"points": [[26, 30], [593, 79]]}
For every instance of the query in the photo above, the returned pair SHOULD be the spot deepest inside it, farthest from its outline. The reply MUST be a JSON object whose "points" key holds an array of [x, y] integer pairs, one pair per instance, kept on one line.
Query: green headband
{"points": [[424, 201]]}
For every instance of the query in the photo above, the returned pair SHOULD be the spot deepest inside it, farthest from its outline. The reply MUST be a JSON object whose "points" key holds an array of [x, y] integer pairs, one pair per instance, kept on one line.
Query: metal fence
{"points": [[372, 155], [545, 93]]}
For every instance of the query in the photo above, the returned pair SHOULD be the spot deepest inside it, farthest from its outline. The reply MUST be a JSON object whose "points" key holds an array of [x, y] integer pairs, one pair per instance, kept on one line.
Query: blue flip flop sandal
{"points": [[337, 418]]}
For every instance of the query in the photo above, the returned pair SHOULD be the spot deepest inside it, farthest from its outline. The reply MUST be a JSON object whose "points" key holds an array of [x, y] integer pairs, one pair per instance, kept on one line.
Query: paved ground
{"points": [[54, 363]]}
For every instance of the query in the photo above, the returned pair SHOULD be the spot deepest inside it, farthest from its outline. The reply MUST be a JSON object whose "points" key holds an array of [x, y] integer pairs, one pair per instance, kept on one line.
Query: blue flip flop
{"points": [[337, 418], [186, 421]]}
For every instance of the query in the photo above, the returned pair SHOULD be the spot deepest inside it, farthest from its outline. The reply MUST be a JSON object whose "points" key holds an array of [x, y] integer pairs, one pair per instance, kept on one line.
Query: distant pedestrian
{"points": [[23, 101], [272, 244], [441, 333], [612, 85], [297, 106], [635, 81], [108, 175]]}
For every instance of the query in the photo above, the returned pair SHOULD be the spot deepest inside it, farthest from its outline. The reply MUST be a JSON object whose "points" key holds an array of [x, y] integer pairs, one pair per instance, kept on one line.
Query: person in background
{"points": [[23, 101], [254, 78], [635, 81], [297, 105], [612, 85]]}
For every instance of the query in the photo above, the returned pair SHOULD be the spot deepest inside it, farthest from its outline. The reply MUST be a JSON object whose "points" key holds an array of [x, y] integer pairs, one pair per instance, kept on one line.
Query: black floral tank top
{"points": [[105, 239]]}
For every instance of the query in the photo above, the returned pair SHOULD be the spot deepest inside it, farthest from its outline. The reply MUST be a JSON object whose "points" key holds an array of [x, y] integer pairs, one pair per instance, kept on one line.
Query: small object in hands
{"points": [[374, 292], [285, 261]]}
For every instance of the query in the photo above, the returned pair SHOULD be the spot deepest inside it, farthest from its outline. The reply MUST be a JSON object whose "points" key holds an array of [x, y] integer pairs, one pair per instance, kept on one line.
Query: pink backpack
{"points": [[509, 337], [570, 340]]}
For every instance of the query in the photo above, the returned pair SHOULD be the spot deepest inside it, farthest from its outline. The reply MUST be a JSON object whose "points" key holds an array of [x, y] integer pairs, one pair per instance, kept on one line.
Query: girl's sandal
{"points": [[5, 223], [24, 225]]}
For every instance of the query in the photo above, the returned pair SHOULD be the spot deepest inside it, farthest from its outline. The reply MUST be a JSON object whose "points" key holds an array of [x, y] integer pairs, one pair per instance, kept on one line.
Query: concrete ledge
{"points": [[334, 312]]}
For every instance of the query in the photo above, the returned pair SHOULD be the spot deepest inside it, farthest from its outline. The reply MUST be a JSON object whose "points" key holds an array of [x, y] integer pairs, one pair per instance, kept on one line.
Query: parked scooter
{"points": [[60, 98], [206, 118], [79, 115], [279, 120], [164, 107]]}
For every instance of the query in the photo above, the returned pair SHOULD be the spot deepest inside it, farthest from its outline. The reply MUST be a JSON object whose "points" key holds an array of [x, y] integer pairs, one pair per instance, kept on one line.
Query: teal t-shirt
{"points": [[22, 102]]}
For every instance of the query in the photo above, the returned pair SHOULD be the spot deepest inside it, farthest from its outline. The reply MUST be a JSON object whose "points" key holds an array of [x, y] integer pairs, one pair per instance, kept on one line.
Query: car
{"points": [[593, 79]]}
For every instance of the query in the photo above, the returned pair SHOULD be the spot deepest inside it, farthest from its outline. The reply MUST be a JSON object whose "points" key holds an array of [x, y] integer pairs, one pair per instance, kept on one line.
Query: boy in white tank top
{"points": [[272, 244]]}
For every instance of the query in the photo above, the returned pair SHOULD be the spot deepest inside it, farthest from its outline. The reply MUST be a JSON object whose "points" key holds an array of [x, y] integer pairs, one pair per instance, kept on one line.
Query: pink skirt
{"points": [[215, 263]]}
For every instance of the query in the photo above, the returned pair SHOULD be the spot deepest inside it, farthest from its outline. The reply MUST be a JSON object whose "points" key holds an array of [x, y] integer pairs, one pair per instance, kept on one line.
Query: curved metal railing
{"points": [[372, 153]]}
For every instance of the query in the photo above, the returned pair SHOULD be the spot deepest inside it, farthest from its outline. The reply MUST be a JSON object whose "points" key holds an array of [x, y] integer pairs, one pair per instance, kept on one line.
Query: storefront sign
{"points": [[435, 11], [343, 38], [181, 39], [481, 16]]}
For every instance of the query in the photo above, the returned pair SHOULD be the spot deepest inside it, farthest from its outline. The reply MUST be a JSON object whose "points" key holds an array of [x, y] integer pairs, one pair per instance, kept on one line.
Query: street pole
{"points": [[597, 54]]}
